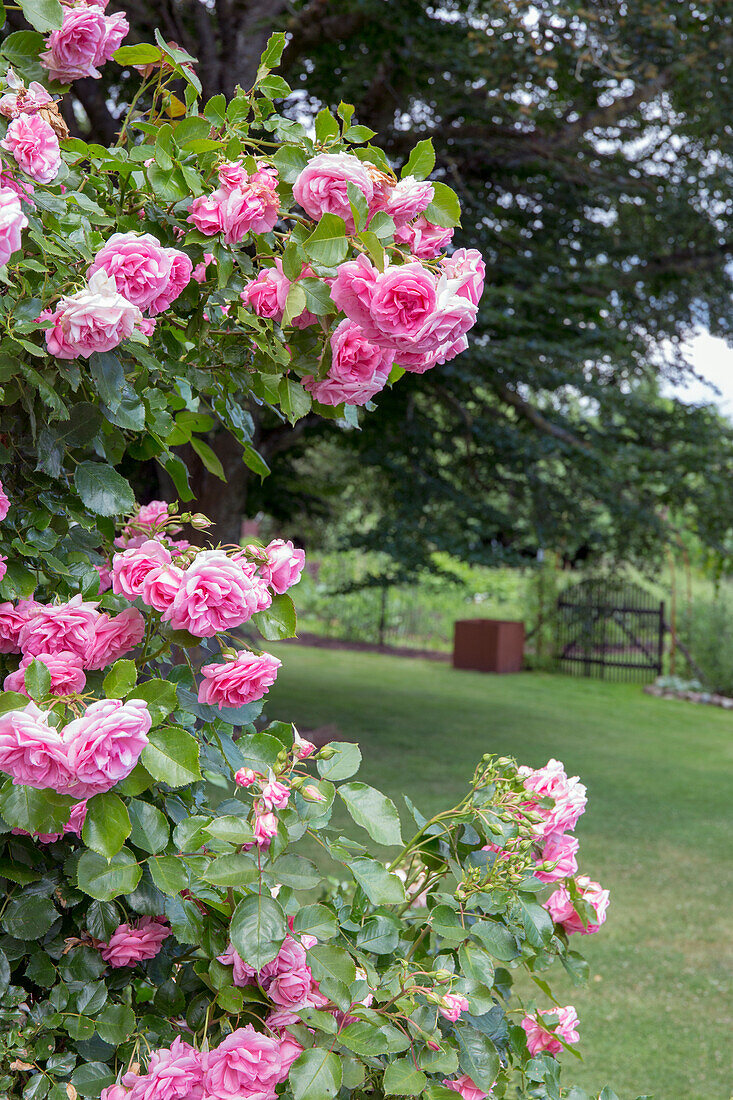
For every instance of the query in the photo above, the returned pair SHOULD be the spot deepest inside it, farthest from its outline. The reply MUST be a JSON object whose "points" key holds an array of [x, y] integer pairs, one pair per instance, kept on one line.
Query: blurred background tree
{"points": [[591, 147]]}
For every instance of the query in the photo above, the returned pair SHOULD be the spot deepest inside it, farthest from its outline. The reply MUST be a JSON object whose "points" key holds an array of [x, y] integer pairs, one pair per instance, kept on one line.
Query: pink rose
{"points": [[352, 291], [424, 240], [466, 1087], [87, 38], [251, 207], [32, 752], [174, 1073], [130, 944], [22, 100], [559, 848], [265, 828], [275, 795], [452, 1006], [285, 564], [540, 1038], [114, 636], [3, 566], [62, 627], [405, 200], [67, 676], [290, 1049], [242, 973], [266, 295], [115, 1092], [131, 567], [144, 272], [245, 777], [404, 299], [4, 503], [568, 795], [160, 586], [33, 143], [104, 745], [244, 1066], [74, 825], [291, 956], [321, 188], [466, 265], [238, 681], [12, 621], [560, 906], [358, 370], [291, 989], [149, 521], [12, 221], [199, 272], [205, 215], [302, 749], [96, 318], [215, 594], [105, 577], [24, 190]]}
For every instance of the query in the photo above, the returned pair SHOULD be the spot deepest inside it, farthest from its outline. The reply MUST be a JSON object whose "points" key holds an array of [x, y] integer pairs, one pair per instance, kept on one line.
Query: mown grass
{"points": [[656, 1017]]}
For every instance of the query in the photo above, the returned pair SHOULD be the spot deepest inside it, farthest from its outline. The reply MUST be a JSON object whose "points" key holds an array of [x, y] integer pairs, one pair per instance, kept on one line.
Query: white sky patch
{"points": [[712, 358]]}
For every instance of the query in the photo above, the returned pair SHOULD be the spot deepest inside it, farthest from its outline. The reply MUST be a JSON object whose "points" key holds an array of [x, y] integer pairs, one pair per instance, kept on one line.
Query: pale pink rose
{"points": [[275, 795], [22, 100], [4, 503], [12, 222], [452, 1006], [12, 621], [146, 325], [404, 299], [160, 586], [540, 1038], [452, 318], [114, 636], [215, 595], [246, 777], [74, 825], [466, 265], [232, 174], [67, 675], [405, 200], [466, 1087], [560, 906], [285, 564], [104, 745], [265, 828], [32, 751], [251, 207], [147, 274], [133, 943], [174, 1073], [352, 291], [114, 1092], [86, 39], [199, 272], [267, 294], [24, 190], [131, 567], [568, 795], [62, 627], [358, 370], [242, 973], [321, 188], [33, 143], [105, 577], [3, 566], [238, 681], [205, 215], [559, 848], [96, 318], [424, 240], [244, 1066], [290, 1050], [302, 749], [291, 989]]}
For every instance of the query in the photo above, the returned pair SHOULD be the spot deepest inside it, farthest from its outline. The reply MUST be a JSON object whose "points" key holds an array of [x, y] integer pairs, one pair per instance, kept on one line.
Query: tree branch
{"points": [[537, 419]]}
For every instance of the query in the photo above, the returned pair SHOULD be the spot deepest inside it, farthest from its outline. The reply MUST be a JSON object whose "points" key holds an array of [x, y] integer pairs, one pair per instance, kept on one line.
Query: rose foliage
{"points": [[184, 912]]}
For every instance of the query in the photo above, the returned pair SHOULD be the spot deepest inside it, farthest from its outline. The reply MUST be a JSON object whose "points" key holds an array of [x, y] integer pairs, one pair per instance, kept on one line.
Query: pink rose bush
{"points": [[322, 187], [35, 146], [66, 669], [466, 1088], [146, 274], [12, 222], [243, 203], [86, 39], [96, 318], [540, 1038], [562, 908]]}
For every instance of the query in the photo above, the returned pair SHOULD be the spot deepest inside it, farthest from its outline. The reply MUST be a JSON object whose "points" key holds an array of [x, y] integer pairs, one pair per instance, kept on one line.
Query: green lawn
{"points": [[657, 1015]]}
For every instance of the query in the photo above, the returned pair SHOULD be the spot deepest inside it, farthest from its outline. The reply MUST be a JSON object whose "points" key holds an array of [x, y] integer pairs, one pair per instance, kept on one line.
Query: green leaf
{"points": [[327, 128], [296, 872], [115, 1023], [234, 869], [120, 679], [445, 209], [12, 700], [366, 1039], [316, 920], [358, 134], [538, 923], [29, 917], [172, 756], [145, 53], [290, 161], [345, 761], [169, 874], [107, 824], [402, 1078], [44, 15], [315, 1075], [327, 244], [185, 919], [32, 810], [233, 829], [379, 935], [16, 872], [328, 961], [91, 1077], [209, 458], [295, 401], [421, 161], [254, 460], [374, 247], [478, 1057], [373, 811], [102, 489], [108, 376], [497, 939], [379, 884], [102, 918], [37, 680], [359, 205], [278, 621], [105, 880], [294, 303], [273, 51], [317, 296], [150, 828], [160, 695], [257, 929]]}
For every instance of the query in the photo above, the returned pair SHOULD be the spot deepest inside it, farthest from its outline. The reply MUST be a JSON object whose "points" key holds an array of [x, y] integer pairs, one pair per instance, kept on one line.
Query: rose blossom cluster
{"points": [[267, 294], [274, 795], [96, 318], [287, 980], [87, 756], [33, 142], [130, 944], [84, 41], [245, 202], [144, 272], [68, 638], [540, 1038]]}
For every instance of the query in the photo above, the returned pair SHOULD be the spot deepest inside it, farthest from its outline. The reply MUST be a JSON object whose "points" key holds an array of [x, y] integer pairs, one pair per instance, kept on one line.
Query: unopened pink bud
{"points": [[245, 777], [312, 794]]}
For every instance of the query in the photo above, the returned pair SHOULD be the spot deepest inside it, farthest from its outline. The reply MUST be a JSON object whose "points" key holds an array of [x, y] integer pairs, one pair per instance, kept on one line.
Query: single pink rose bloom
{"points": [[246, 777], [540, 1038], [302, 749], [114, 1092], [133, 943], [104, 745], [215, 594], [174, 1073], [404, 200], [147, 274], [32, 751], [251, 207], [96, 318], [265, 828], [159, 587], [352, 291], [205, 215], [35, 146], [568, 795], [105, 577], [275, 795], [238, 681], [12, 222], [290, 1050], [285, 564], [452, 1006], [559, 848], [359, 369], [266, 295], [86, 39], [62, 627], [424, 240], [466, 265], [199, 272], [291, 989], [466, 1087], [560, 906], [244, 1066], [322, 186], [114, 636], [67, 675], [12, 621], [131, 567], [403, 300]]}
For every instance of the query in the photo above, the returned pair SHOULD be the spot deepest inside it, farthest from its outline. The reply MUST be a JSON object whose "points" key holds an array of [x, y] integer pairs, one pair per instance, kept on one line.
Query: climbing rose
{"points": [[32, 752], [560, 906], [466, 1087], [35, 146], [404, 200], [424, 240], [242, 973], [322, 186], [104, 745], [60, 627], [238, 681], [174, 1073], [96, 318], [266, 295], [539, 1038], [359, 369], [560, 848], [466, 265], [130, 944], [67, 675], [132, 566], [285, 564], [114, 636], [147, 274], [12, 221], [452, 1006], [86, 39], [215, 594], [244, 1066], [12, 621], [4, 503], [568, 796]]}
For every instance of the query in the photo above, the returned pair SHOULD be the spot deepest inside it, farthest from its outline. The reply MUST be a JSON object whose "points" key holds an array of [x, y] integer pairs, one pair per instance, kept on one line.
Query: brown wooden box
{"points": [[488, 645]]}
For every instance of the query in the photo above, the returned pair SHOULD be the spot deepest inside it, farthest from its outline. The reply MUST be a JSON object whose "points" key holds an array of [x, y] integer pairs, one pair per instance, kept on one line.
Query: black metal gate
{"points": [[610, 628]]}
